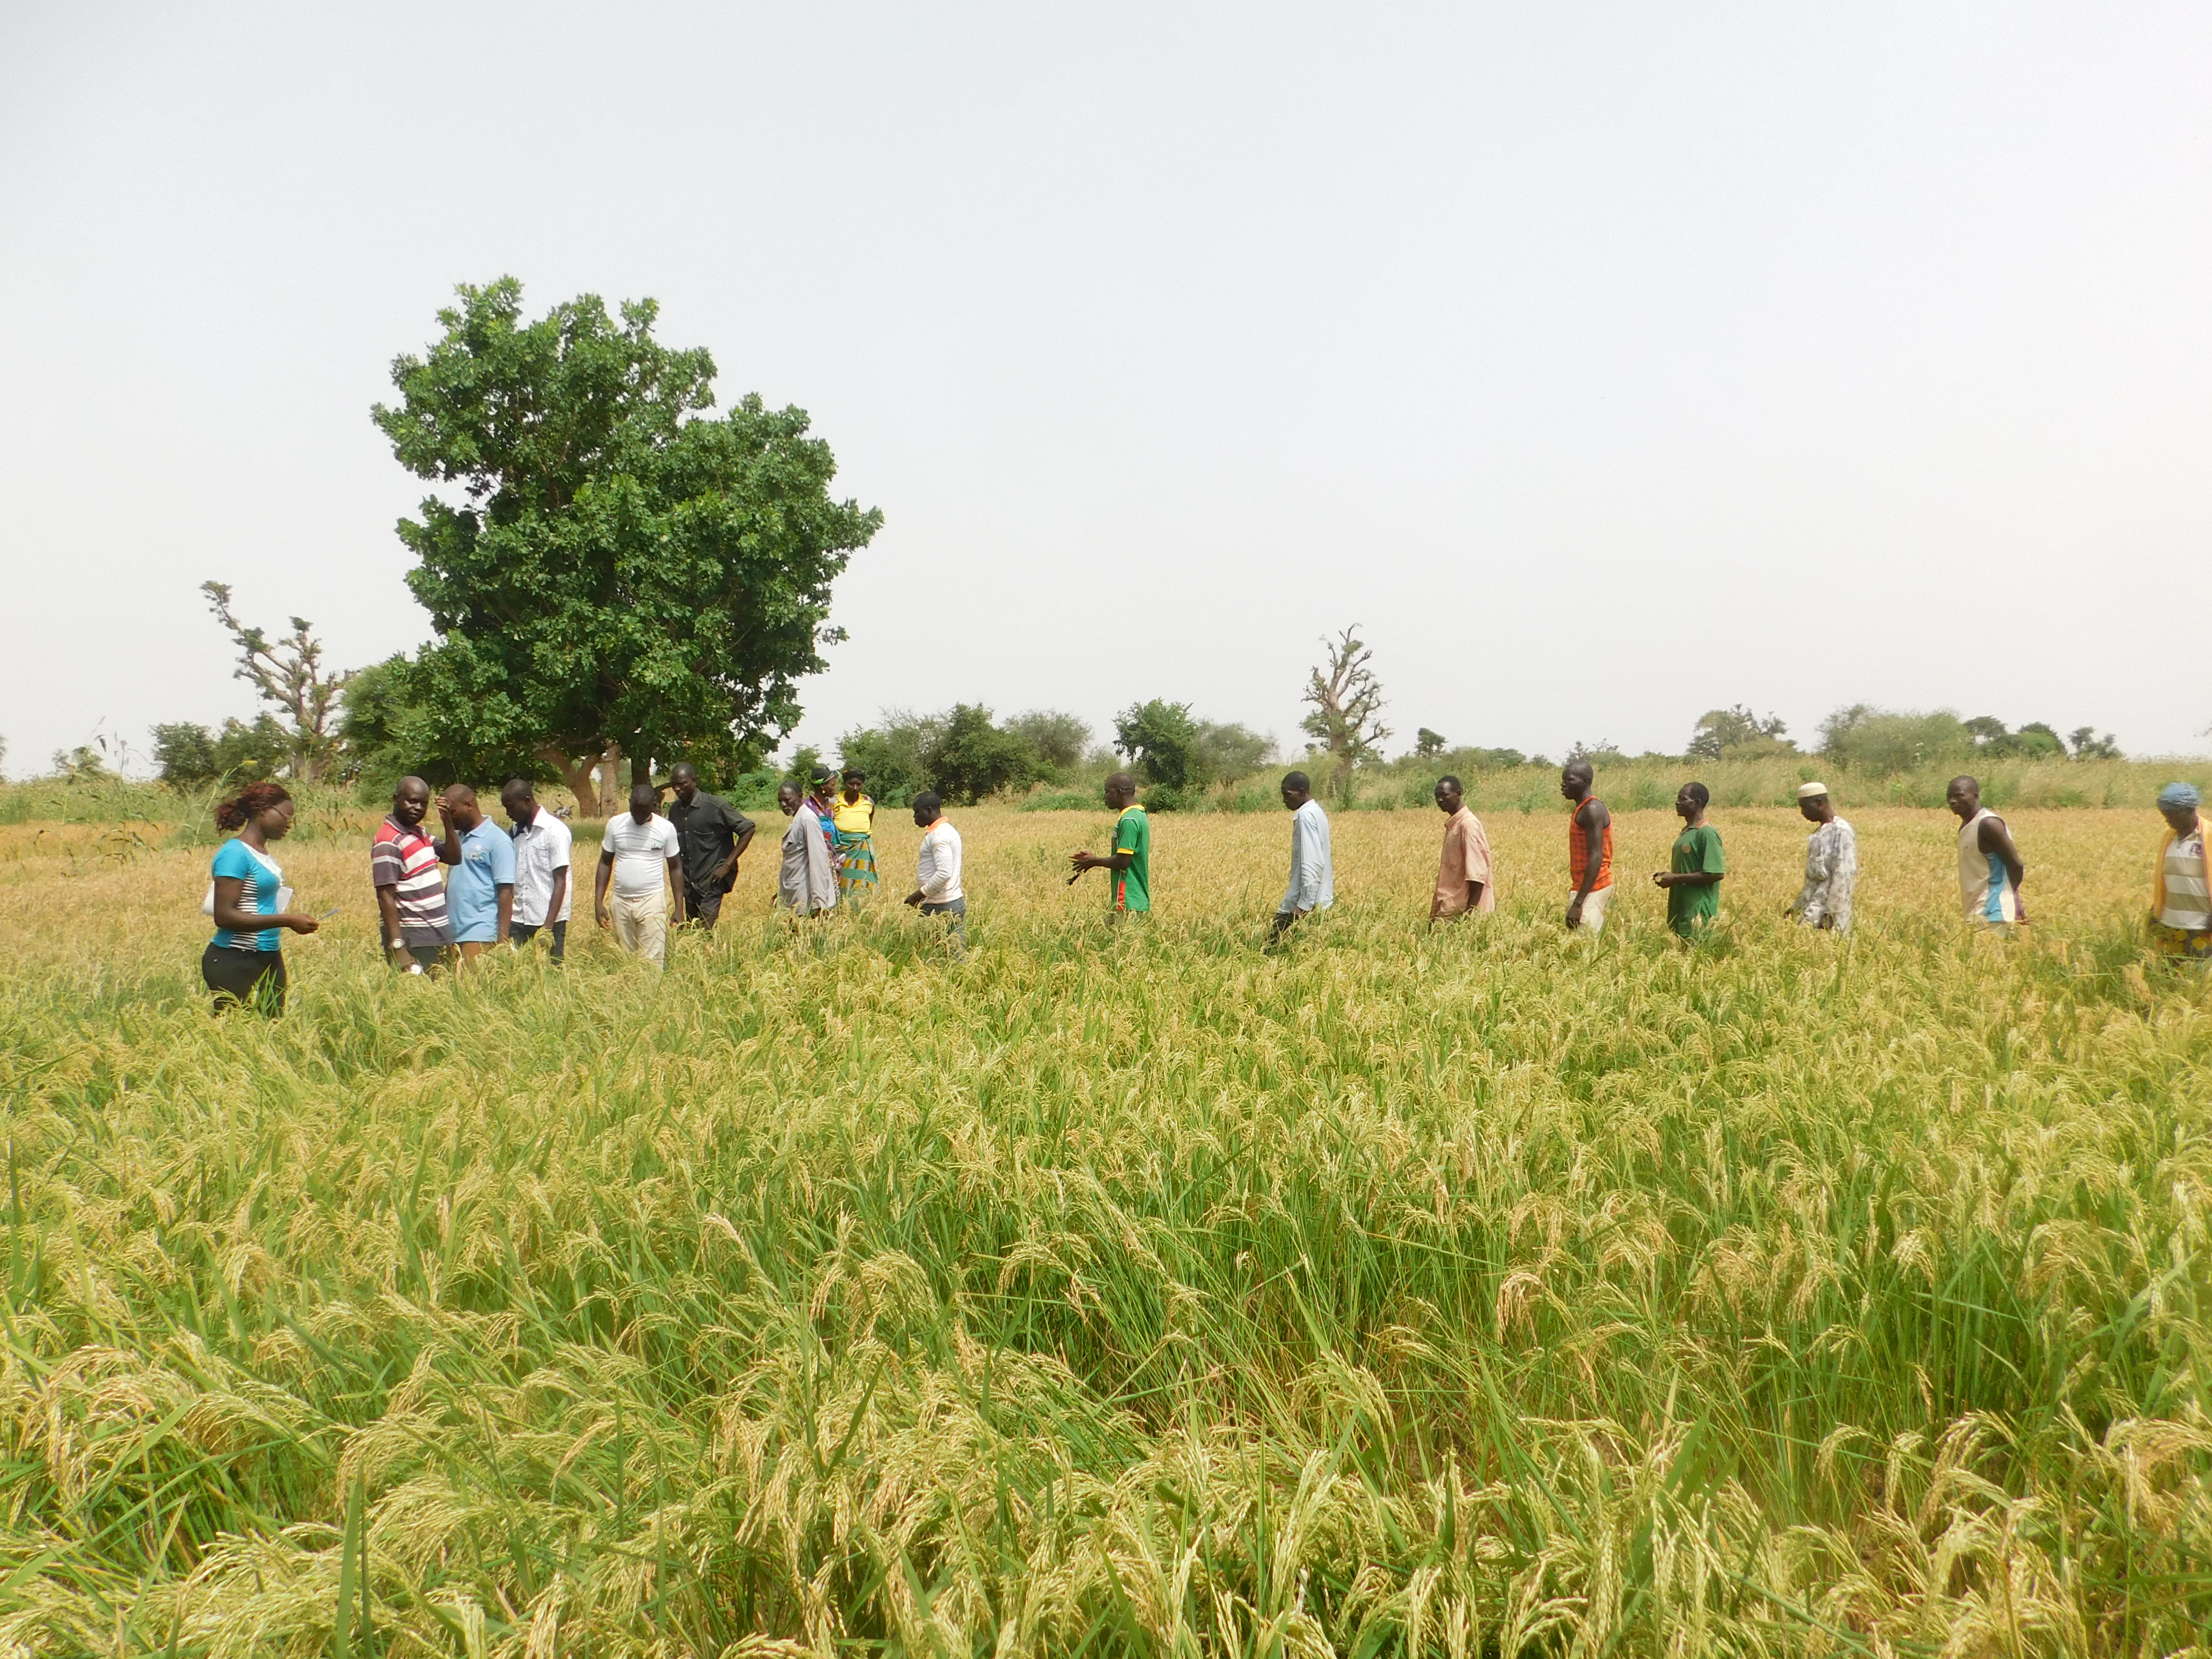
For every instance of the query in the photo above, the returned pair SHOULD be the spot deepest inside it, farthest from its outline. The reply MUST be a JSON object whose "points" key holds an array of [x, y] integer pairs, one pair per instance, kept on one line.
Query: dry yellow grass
{"points": [[1480, 1291]]}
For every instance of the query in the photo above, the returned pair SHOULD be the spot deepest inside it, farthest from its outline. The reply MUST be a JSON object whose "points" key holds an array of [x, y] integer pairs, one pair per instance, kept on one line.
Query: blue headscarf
{"points": [[2183, 795]]}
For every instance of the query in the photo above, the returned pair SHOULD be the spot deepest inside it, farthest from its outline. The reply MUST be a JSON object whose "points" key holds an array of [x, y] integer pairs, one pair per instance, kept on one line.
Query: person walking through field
{"points": [[714, 835], [1589, 849], [2181, 897], [1128, 867], [244, 963], [851, 845], [1693, 879], [1313, 874], [480, 885], [820, 789], [411, 890], [806, 883], [1831, 864], [1990, 868], [1464, 886], [642, 859], [937, 890], [543, 857]]}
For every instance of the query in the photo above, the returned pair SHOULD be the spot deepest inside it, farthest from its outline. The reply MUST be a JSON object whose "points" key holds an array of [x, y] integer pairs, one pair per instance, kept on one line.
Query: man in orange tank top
{"points": [[1589, 849]]}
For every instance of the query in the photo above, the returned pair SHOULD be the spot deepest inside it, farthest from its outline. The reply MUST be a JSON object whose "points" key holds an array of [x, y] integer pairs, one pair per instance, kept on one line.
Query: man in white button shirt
{"points": [[643, 857], [1313, 874], [937, 870], [542, 850]]}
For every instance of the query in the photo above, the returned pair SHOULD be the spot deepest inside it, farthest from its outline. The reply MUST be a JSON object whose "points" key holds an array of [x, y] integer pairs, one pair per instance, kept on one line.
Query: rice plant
{"points": [[1119, 1290]]}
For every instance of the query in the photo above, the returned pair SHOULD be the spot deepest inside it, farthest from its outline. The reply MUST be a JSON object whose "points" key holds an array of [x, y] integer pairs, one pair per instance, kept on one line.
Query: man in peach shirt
{"points": [[1463, 881]]}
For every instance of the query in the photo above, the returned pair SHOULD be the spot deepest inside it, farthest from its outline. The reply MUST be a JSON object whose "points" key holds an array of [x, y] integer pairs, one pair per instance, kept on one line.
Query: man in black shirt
{"points": [[715, 834]]}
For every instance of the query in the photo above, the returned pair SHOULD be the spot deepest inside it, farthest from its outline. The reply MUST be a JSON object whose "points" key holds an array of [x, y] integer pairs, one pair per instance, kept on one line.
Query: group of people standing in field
{"points": [[478, 886]]}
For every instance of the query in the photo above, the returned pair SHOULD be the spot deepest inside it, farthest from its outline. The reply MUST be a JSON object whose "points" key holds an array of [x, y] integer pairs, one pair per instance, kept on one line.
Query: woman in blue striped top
{"points": [[245, 963]]}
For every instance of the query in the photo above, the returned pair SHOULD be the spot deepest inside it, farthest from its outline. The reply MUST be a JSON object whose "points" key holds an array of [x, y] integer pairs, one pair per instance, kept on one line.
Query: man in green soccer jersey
{"points": [[1693, 885], [1128, 867]]}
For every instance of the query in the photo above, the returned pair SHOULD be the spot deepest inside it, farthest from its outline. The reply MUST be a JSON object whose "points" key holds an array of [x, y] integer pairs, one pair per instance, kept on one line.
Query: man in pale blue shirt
{"points": [[480, 884], [1312, 877]]}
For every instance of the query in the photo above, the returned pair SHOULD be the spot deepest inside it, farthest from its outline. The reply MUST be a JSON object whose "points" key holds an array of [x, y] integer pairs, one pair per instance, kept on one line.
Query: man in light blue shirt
{"points": [[1312, 877], [480, 881]]}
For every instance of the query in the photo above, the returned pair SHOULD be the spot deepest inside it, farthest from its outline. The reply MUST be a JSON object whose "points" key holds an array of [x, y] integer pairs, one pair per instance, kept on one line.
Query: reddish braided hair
{"points": [[249, 804]]}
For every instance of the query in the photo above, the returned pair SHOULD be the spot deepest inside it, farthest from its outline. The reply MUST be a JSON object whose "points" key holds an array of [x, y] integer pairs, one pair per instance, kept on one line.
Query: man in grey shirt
{"points": [[1312, 877], [806, 884]]}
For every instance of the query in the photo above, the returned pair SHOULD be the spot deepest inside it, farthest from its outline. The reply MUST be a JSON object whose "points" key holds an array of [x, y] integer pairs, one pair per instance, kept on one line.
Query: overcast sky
{"points": [[1606, 363]]}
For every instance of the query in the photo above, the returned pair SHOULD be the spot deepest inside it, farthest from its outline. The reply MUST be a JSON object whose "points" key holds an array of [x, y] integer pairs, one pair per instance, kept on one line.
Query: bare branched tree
{"points": [[288, 672], [1347, 705]]}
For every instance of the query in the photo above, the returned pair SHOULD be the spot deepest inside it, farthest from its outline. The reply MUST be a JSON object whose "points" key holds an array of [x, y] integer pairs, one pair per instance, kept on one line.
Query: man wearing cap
{"points": [[2181, 898], [1831, 864]]}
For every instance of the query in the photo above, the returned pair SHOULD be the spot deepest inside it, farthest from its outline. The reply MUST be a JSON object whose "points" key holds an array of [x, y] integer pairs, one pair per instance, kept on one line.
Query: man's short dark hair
{"points": [[927, 804], [854, 774], [682, 766], [1699, 792], [642, 793], [518, 782], [1965, 777], [1298, 780], [1458, 788]]}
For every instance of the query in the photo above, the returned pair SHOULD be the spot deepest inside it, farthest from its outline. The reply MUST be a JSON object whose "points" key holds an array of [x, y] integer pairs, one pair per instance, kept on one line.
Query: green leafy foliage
{"points": [[190, 754], [1738, 734], [894, 753], [623, 569], [1228, 753], [1882, 742], [1161, 742], [971, 758], [1056, 741]]}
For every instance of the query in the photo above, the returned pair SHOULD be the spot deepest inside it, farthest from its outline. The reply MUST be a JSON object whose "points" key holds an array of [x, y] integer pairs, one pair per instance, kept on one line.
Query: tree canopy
{"points": [[625, 574]]}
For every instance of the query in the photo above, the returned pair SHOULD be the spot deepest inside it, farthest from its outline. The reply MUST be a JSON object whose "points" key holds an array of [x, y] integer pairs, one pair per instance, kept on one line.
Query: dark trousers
{"points": [[249, 979], [955, 923], [703, 905], [523, 931]]}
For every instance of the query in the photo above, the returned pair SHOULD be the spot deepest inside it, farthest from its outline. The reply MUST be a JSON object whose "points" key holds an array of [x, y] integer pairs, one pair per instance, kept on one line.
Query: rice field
{"points": [[1135, 1291]]}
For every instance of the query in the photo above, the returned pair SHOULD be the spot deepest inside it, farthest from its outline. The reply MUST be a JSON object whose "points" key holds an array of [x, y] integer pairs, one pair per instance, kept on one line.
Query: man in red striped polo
{"points": [[411, 888]]}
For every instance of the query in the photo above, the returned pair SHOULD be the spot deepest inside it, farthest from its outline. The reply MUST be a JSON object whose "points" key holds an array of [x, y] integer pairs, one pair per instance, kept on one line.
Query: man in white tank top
{"points": [[1989, 869]]}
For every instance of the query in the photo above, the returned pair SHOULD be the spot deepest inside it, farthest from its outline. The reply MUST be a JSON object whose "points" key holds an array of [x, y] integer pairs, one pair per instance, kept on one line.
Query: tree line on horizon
{"points": [[617, 578]]}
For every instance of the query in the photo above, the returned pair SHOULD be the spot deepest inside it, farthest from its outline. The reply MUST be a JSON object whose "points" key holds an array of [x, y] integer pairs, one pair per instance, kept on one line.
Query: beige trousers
{"points": [[641, 922], [1593, 909]]}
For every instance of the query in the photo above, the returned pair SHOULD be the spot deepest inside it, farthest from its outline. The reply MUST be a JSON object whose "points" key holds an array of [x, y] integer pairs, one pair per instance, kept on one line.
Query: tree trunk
{"points": [[576, 774], [613, 797], [640, 769]]}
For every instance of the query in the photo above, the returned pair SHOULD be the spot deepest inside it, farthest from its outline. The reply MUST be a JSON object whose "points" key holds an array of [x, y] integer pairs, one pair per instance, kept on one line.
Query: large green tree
{"points": [[624, 575]]}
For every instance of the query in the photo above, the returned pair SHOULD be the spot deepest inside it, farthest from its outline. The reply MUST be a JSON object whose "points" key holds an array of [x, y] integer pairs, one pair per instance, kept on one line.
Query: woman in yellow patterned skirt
{"points": [[854, 815]]}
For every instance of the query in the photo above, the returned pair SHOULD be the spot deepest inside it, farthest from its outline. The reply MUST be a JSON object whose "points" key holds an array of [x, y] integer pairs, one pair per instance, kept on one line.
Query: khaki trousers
{"points": [[641, 922], [1593, 909]]}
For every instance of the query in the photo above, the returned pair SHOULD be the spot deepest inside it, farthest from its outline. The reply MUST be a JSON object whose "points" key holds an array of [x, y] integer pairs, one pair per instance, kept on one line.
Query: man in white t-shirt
{"points": [[542, 845], [642, 855]]}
